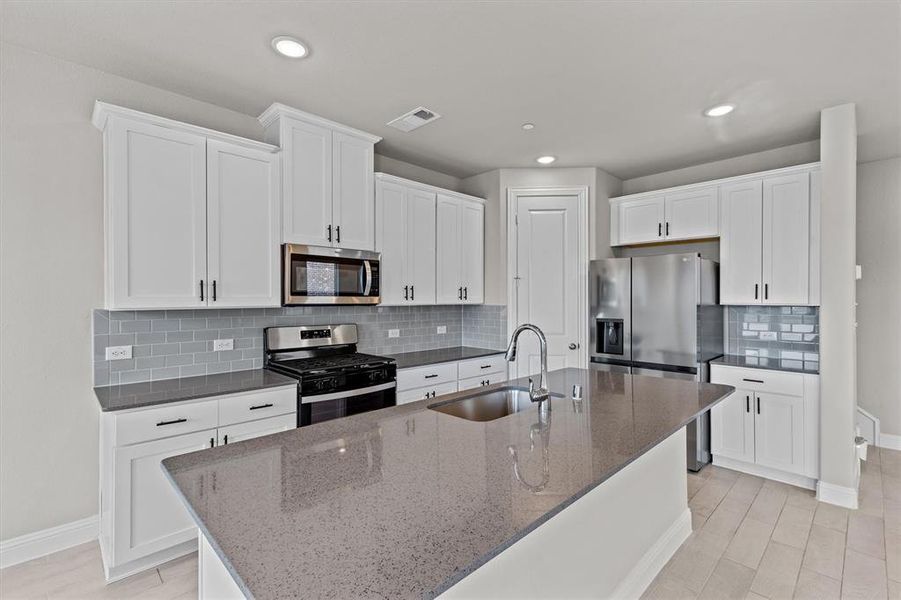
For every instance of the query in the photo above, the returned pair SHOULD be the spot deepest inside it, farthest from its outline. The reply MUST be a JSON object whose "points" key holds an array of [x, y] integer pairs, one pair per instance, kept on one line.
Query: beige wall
{"points": [[399, 168], [51, 259], [879, 292]]}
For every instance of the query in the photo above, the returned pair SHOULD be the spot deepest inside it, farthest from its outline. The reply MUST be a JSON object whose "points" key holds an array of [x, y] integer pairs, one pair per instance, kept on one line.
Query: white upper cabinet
{"points": [[327, 190], [431, 241], [242, 226], [185, 206], [741, 244], [641, 221], [405, 237], [691, 214], [786, 239]]}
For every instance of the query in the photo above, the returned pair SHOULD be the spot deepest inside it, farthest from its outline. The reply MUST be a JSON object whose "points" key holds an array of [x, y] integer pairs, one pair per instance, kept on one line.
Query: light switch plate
{"points": [[118, 352], [219, 345], [393, 333], [442, 329]]}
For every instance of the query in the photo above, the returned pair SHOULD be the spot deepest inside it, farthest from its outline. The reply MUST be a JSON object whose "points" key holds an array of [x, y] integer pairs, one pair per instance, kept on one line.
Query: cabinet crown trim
{"points": [[278, 110], [427, 188], [814, 166], [103, 111]]}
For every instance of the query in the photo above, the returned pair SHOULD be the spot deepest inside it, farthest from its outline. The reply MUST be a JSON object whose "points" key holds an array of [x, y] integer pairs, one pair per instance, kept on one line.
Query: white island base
{"points": [[610, 543]]}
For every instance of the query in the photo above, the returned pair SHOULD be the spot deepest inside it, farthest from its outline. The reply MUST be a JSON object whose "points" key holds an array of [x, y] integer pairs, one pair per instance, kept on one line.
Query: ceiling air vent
{"points": [[414, 119]]}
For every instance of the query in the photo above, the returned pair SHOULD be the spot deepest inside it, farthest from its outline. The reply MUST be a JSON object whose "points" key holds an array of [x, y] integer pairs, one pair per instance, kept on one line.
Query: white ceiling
{"points": [[619, 85]]}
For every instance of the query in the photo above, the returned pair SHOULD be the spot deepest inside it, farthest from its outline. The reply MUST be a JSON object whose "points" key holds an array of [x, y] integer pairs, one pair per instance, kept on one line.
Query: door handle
{"points": [[667, 228], [212, 442], [172, 422], [459, 293], [412, 292], [766, 291], [432, 376], [753, 380], [259, 406], [573, 346]]}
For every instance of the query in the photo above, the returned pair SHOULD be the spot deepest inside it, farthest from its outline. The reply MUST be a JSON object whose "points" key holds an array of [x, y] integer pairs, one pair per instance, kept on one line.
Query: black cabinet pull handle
{"points": [[758, 405], [412, 293], [747, 404], [485, 367], [406, 292], [460, 292], [466, 293], [432, 376], [201, 290], [753, 380], [338, 234], [259, 406], [659, 229], [172, 422], [433, 393], [212, 442], [226, 439], [766, 291], [329, 233], [756, 288], [214, 290], [667, 228]]}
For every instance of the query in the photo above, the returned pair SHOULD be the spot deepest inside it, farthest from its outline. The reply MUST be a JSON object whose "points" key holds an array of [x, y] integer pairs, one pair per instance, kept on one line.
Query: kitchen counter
{"points": [[150, 393], [770, 364], [407, 360], [406, 501]]}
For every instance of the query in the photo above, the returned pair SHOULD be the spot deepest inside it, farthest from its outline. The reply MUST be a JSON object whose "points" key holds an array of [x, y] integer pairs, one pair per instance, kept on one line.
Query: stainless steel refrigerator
{"points": [[658, 316]]}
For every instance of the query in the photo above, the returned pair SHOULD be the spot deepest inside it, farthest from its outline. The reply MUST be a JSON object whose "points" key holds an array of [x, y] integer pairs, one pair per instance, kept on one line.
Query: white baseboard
{"points": [[643, 573], [765, 472], [41, 543], [889, 440], [836, 494]]}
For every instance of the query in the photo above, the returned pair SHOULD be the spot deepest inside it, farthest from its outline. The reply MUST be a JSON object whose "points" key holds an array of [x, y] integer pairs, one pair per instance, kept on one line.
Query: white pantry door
{"points": [[547, 278]]}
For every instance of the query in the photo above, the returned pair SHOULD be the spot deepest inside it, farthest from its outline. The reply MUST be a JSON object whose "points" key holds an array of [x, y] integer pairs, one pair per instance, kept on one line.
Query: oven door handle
{"points": [[367, 277], [346, 394]]}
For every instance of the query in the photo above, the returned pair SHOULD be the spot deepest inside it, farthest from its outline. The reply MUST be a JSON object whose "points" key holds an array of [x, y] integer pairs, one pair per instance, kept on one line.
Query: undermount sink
{"points": [[490, 405]]}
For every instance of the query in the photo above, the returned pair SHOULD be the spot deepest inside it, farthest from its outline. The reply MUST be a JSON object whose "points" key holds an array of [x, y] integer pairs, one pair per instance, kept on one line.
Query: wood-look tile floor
{"points": [[752, 539]]}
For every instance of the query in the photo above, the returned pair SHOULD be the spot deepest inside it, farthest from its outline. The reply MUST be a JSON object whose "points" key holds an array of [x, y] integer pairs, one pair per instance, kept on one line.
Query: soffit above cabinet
{"points": [[103, 111], [277, 110]]}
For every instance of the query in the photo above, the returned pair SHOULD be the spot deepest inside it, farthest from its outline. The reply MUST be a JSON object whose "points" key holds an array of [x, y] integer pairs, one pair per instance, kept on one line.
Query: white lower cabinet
{"points": [[769, 426], [431, 381], [143, 522]]}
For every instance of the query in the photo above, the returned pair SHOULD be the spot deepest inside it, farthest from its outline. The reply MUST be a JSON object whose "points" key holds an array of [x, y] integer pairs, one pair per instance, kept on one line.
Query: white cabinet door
{"points": [[732, 426], [786, 239], [156, 202], [421, 246], [741, 244], [353, 206], [242, 226], [149, 515], [641, 220], [391, 240], [449, 254], [692, 214], [426, 393], [307, 177], [779, 432], [472, 245], [254, 429]]}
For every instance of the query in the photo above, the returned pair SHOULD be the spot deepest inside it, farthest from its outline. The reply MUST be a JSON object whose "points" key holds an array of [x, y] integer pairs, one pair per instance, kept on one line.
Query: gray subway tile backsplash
{"points": [[788, 332], [179, 343]]}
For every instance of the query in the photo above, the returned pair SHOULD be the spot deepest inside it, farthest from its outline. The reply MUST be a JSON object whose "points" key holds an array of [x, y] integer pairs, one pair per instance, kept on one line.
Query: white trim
{"points": [[889, 440], [836, 494], [647, 568], [765, 472], [276, 110], [713, 182], [47, 541], [426, 187], [103, 111], [581, 192], [145, 563], [866, 415]]}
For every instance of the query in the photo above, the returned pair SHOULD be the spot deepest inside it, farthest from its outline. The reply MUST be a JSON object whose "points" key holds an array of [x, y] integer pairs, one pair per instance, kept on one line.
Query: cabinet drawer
{"points": [[474, 382], [424, 393], [158, 423], [486, 365], [431, 375], [240, 408], [759, 380]]}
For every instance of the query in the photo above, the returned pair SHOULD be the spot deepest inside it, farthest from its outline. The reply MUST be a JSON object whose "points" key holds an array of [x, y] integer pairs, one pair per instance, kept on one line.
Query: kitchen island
{"points": [[411, 502]]}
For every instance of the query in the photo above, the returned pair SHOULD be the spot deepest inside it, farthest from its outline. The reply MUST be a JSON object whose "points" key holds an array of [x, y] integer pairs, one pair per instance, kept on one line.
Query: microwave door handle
{"points": [[367, 277]]}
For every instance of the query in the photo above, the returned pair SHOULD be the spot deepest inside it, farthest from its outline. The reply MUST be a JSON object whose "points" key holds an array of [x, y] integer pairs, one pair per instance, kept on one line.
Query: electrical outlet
{"points": [[442, 329], [118, 352], [223, 345], [392, 333], [768, 336]]}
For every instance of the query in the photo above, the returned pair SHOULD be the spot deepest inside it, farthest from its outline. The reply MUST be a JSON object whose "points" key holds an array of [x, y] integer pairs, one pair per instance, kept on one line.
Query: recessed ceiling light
{"points": [[545, 160], [719, 110], [528, 126], [288, 46]]}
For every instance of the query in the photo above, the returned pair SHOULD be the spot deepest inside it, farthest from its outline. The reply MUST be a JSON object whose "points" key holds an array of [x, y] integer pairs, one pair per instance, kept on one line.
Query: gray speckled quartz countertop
{"points": [[404, 502], [407, 360], [771, 364], [165, 391]]}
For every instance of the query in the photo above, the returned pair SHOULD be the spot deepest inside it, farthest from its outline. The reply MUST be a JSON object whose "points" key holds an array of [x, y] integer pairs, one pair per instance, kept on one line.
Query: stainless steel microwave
{"points": [[322, 275]]}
